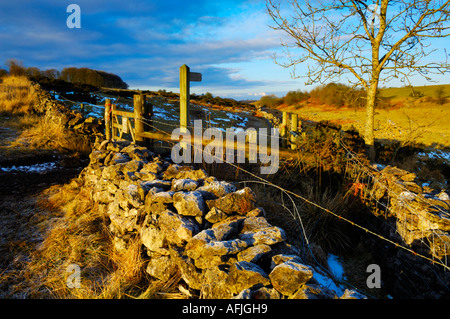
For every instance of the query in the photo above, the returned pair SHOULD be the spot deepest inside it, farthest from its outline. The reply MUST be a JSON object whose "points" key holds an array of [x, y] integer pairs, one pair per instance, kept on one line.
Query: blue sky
{"points": [[145, 42]]}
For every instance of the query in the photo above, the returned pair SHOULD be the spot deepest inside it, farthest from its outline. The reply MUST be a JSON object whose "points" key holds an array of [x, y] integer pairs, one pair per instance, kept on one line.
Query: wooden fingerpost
{"points": [[294, 130], [108, 119], [184, 97], [139, 111], [284, 130]]}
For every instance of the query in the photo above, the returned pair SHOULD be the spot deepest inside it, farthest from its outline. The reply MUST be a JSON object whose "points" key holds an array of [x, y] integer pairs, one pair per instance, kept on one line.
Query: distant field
{"points": [[429, 90], [418, 120]]}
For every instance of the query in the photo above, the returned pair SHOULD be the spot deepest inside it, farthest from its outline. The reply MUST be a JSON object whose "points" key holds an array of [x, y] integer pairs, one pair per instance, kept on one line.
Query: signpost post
{"points": [[185, 78]]}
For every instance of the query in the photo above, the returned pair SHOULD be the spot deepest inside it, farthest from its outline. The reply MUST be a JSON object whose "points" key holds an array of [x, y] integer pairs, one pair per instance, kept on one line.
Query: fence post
{"points": [[148, 118], [108, 119], [113, 129], [284, 130], [139, 111], [294, 130], [184, 97]]}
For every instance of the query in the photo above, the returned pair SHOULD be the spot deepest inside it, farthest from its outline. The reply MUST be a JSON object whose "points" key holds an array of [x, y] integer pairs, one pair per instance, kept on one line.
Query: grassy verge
{"points": [[25, 131], [75, 232], [17, 95]]}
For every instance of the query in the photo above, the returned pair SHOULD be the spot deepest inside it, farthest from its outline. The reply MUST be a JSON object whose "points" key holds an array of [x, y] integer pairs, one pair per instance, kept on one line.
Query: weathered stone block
{"points": [[244, 274], [184, 185], [161, 267], [241, 202], [268, 236], [152, 237], [254, 253], [289, 276], [215, 215], [189, 203], [176, 228]]}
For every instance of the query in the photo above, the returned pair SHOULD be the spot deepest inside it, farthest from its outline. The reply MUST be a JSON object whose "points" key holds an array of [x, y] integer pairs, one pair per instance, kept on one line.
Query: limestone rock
{"points": [[244, 274], [225, 247], [134, 194], [241, 202], [395, 172], [116, 158], [195, 248], [189, 203], [289, 276], [257, 212], [176, 228], [254, 223], [244, 294], [266, 293], [312, 291], [190, 274], [161, 267], [164, 185], [268, 236], [213, 189], [152, 238], [253, 253], [153, 167], [184, 184], [214, 284], [215, 215], [183, 172], [113, 173]]}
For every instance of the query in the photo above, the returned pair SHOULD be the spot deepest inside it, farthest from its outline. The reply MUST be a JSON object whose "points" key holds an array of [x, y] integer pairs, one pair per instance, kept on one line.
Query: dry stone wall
{"points": [[422, 216], [215, 235], [58, 112]]}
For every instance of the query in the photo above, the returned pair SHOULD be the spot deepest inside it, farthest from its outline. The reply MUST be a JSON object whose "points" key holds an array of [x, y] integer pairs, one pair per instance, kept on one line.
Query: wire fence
{"points": [[353, 159], [371, 178]]}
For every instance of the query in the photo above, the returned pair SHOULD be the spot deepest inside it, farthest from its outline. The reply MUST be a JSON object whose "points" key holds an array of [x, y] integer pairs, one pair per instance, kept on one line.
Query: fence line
{"points": [[288, 192], [144, 118]]}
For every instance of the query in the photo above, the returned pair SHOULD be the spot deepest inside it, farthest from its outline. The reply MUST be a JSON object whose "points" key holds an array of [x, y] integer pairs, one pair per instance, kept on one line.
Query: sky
{"points": [[145, 43]]}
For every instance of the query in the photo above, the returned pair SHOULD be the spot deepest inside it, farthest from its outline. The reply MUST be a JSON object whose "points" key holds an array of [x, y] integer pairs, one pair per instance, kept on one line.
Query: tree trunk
{"points": [[369, 129]]}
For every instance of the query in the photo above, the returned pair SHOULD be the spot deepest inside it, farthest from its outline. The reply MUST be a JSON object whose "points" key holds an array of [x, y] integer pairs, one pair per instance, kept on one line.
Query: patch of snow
{"points": [[37, 168], [328, 283], [436, 154], [335, 266]]}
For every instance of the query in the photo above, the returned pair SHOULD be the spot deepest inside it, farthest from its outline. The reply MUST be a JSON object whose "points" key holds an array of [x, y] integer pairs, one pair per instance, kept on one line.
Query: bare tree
{"points": [[372, 42]]}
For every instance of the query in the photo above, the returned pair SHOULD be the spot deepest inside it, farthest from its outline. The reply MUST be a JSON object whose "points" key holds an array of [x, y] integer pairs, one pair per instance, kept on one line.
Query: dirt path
{"points": [[25, 174]]}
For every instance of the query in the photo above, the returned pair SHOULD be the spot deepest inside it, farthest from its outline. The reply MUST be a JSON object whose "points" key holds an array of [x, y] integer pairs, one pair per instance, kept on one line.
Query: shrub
{"points": [[270, 101], [339, 95], [294, 97]]}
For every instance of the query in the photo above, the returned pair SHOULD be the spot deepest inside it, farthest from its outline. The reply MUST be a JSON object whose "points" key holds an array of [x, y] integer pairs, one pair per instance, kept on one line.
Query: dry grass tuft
{"points": [[17, 95], [47, 132], [80, 236]]}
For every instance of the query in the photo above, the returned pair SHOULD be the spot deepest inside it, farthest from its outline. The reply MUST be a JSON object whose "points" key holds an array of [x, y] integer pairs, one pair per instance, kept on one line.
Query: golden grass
{"points": [[17, 95], [417, 121], [17, 100], [403, 92], [80, 236], [47, 132]]}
